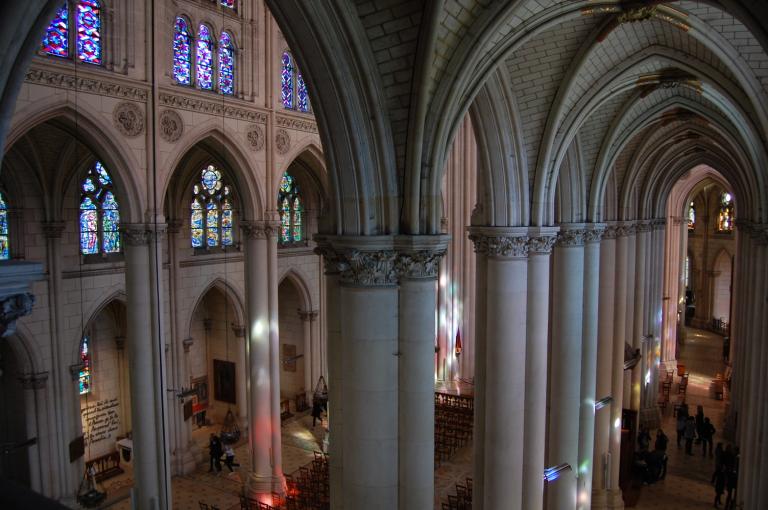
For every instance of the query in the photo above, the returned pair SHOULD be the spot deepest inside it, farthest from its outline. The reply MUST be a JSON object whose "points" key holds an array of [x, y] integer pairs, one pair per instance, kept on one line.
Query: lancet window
{"points": [[99, 213], [84, 376], [5, 252], [725, 216], [211, 211], [293, 88], [182, 52], [226, 64], [86, 16], [204, 58], [291, 211], [691, 216]]}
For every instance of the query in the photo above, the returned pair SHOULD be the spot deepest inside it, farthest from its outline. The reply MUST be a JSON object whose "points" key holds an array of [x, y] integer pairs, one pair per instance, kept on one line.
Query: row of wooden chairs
{"points": [[453, 425], [308, 487], [460, 401], [462, 500]]}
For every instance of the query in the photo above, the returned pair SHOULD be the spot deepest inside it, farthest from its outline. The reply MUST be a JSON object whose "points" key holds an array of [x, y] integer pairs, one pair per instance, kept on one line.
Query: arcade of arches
{"points": [[209, 208]]}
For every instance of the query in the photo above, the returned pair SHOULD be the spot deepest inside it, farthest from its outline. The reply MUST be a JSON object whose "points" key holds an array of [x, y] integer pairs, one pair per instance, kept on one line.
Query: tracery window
{"points": [[99, 213], [182, 52], [293, 88], [725, 216], [211, 211], [226, 64], [291, 211], [84, 377], [86, 16], [691, 216], [204, 58], [5, 253]]}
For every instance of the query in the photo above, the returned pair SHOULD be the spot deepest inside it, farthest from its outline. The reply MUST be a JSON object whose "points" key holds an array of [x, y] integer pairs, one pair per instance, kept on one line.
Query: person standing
{"points": [[681, 419], [690, 434], [317, 412], [229, 457], [719, 483], [661, 447], [707, 431], [214, 450], [699, 422]]}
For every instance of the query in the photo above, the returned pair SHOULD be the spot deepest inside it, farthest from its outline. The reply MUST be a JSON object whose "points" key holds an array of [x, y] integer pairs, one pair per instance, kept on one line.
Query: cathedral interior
{"points": [[511, 254]]}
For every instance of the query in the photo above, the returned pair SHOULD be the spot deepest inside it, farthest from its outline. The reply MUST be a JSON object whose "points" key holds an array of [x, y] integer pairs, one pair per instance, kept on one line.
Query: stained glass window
{"points": [[99, 213], [228, 3], [725, 216], [691, 216], [291, 211], [302, 94], [286, 80], [211, 211], [226, 64], [56, 40], [204, 58], [4, 247], [89, 31], [182, 52], [85, 368]]}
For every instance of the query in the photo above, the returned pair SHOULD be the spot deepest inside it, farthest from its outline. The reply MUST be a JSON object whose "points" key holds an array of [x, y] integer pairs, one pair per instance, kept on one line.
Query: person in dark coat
{"points": [[706, 433], [215, 451], [682, 416], [719, 483], [690, 433], [317, 412], [699, 422], [660, 447]]}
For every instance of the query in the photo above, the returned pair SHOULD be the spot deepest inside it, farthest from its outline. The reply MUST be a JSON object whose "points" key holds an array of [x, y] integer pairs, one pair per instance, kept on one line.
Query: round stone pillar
{"points": [[594, 233], [150, 477], [540, 245], [565, 365], [417, 265], [601, 477], [260, 482]]}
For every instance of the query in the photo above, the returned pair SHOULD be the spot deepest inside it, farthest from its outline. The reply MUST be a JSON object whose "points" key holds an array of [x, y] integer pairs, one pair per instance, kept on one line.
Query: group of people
{"points": [[654, 462], [694, 428], [217, 449], [726, 474]]}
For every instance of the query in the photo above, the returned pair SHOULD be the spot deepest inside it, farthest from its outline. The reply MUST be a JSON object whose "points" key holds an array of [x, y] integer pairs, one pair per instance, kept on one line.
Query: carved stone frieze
{"points": [[368, 268], [659, 223], [611, 232], [644, 226], [171, 126], [419, 264], [282, 141], [594, 234], [128, 119], [298, 124], [253, 230], [307, 315], [72, 82], [501, 246], [213, 108], [255, 136], [13, 307], [572, 237], [541, 244]]}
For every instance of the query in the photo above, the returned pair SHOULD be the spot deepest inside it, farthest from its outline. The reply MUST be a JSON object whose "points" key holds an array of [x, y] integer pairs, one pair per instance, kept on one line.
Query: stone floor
{"points": [[685, 487], [687, 483]]}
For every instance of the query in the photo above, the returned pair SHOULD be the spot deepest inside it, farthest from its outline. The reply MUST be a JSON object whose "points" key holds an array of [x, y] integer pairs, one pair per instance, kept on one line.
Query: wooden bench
{"points": [[106, 466]]}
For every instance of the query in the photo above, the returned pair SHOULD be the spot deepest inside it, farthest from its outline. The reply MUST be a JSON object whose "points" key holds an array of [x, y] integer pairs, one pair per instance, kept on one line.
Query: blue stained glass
{"points": [[228, 3], [56, 40], [182, 53], [211, 211], [297, 219], [302, 93], [4, 248], [289, 199], [88, 31], [88, 185], [226, 64], [84, 377], [99, 213], [104, 178], [286, 81], [89, 221], [204, 58], [226, 223]]}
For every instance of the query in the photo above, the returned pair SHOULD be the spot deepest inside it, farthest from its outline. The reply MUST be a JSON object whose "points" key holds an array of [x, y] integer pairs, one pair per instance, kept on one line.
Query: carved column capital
{"points": [[572, 236], [136, 234], [238, 330], [34, 381], [173, 226], [541, 240], [187, 343], [368, 268], [13, 307], [659, 223], [253, 229], [53, 229], [422, 264], [611, 231], [644, 226], [594, 232], [307, 315], [272, 229], [499, 242]]}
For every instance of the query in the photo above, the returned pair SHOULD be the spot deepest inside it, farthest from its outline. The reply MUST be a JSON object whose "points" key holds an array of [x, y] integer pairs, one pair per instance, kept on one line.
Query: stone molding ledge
{"points": [[34, 381]]}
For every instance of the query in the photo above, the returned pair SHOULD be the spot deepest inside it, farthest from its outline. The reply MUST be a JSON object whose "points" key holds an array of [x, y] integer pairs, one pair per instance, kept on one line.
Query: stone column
{"points": [[317, 351], [671, 294], [34, 406], [637, 332], [506, 288], [278, 482], [614, 495], [594, 234], [335, 373], [305, 320], [478, 426], [369, 339], [260, 482], [417, 266], [539, 254], [148, 472], [565, 367], [242, 380], [601, 478]]}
